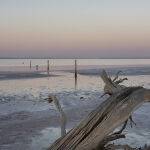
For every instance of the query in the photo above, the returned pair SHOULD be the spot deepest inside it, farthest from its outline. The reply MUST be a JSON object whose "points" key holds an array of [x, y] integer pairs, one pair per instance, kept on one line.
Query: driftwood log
{"points": [[95, 131]]}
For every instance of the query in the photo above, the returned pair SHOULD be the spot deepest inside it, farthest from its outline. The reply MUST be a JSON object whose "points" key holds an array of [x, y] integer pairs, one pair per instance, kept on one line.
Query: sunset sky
{"points": [[75, 28]]}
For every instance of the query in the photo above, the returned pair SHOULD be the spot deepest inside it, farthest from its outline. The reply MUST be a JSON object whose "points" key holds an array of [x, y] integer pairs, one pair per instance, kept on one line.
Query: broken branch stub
{"points": [[63, 119]]}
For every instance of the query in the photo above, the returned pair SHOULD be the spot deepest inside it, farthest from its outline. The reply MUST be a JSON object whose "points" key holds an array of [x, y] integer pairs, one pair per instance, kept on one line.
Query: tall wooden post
{"points": [[37, 67], [30, 64], [48, 67], [75, 74]]}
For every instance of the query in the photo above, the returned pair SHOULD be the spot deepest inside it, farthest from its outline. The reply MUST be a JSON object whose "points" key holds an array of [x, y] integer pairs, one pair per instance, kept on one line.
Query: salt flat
{"points": [[27, 121]]}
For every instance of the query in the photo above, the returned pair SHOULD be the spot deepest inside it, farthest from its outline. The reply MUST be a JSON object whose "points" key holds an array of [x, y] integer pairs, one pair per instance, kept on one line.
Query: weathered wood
{"points": [[93, 131], [111, 87], [30, 64], [48, 67], [63, 120]]}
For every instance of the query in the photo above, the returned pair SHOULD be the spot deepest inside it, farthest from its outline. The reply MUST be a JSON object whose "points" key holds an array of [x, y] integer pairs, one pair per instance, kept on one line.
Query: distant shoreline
{"points": [[66, 58]]}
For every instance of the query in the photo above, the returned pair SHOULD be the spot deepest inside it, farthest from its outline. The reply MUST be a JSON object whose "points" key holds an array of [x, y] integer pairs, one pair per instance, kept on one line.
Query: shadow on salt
{"points": [[135, 139], [46, 138]]}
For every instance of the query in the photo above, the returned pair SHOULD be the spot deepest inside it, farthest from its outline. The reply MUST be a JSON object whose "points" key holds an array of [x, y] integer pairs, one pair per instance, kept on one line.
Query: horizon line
{"points": [[73, 58]]}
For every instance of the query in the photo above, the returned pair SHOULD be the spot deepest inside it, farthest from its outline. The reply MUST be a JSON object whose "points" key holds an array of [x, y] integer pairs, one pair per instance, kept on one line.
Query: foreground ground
{"points": [[28, 122]]}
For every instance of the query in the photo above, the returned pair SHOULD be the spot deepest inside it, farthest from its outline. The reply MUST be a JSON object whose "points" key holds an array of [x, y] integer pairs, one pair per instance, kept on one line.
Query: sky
{"points": [[75, 28]]}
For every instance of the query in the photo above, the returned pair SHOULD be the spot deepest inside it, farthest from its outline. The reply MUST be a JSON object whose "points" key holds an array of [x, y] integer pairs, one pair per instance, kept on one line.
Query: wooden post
{"points": [[75, 74], [37, 67], [48, 67], [30, 64]]}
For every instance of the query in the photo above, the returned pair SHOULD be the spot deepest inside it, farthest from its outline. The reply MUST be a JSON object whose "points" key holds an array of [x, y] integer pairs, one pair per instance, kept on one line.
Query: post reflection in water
{"points": [[75, 74]]}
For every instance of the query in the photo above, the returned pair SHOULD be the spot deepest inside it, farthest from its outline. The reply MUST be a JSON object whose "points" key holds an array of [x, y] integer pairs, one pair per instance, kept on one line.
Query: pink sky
{"points": [[97, 29]]}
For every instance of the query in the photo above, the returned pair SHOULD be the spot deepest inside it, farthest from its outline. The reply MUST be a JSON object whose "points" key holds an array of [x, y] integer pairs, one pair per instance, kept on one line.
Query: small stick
{"points": [[123, 127], [120, 80], [117, 76], [131, 121]]}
